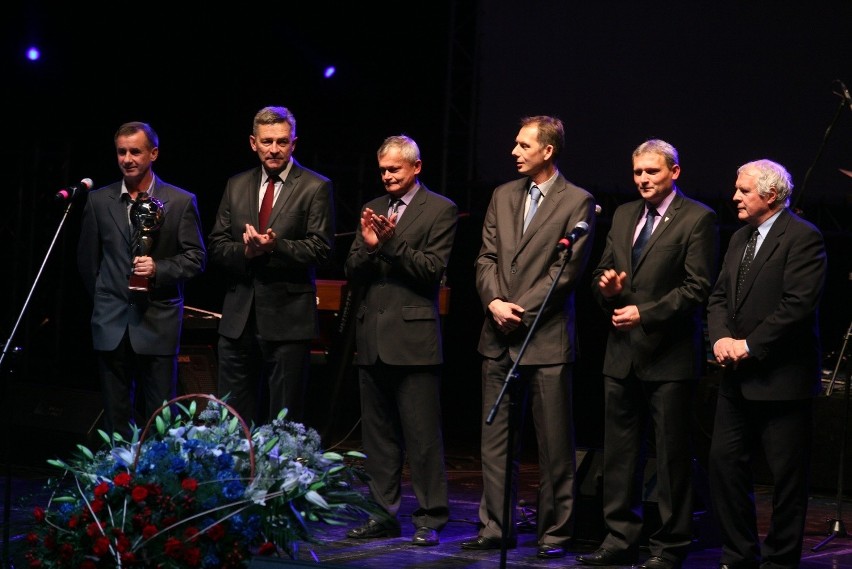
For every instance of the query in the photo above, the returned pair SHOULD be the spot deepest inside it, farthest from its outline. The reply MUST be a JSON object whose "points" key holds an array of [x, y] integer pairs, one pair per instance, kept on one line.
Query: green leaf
{"points": [[86, 452]]}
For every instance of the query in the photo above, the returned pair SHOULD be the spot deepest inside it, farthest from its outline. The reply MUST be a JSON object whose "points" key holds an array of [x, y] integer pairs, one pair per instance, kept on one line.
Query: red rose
{"points": [[122, 543], [88, 564], [97, 506], [139, 494], [192, 556], [173, 547], [66, 551], [32, 538], [101, 490], [101, 546], [38, 514], [216, 533], [149, 531], [189, 484], [266, 548], [122, 479], [93, 529]]}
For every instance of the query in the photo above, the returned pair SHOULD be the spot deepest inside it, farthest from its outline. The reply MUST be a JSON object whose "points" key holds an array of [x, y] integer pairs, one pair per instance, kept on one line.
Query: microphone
{"points": [[844, 93], [566, 242], [598, 209], [67, 194]]}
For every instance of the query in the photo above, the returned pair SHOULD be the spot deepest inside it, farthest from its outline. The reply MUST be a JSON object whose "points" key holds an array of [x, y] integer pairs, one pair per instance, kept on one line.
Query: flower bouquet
{"points": [[195, 490]]}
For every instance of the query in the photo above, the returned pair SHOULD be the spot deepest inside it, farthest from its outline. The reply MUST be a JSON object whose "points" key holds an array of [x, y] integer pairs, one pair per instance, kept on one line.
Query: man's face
{"points": [[752, 208], [530, 156], [134, 155], [398, 174], [653, 177], [274, 145]]}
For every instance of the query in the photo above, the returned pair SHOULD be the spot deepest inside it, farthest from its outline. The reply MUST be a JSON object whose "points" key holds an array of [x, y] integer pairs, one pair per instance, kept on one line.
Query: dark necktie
{"points": [[535, 195], [644, 235], [266, 204], [394, 206], [746, 263]]}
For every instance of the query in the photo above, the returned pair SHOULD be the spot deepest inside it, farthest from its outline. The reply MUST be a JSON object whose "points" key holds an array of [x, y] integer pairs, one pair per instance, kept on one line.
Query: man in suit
{"points": [[274, 227], [763, 321], [136, 334], [515, 271], [652, 281], [397, 262]]}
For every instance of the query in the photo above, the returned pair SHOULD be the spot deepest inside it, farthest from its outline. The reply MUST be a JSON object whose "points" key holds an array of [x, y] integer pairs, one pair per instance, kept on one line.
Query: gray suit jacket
{"points": [[669, 285], [282, 286], [104, 260], [778, 313], [519, 267], [398, 319]]}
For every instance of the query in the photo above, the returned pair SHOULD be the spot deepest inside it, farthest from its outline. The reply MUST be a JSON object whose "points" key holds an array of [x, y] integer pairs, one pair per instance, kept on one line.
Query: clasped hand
{"points": [[258, 243], [506, 315], [730, 351]]}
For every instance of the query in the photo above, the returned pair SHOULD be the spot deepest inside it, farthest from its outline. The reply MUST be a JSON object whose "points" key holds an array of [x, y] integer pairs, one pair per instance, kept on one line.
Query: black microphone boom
{"points": [[66, 194], [579, 230]]}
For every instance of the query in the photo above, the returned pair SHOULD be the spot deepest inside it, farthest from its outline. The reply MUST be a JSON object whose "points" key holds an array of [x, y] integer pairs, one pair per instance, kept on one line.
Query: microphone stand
{"points": [[7, 502], [838, 528], [826, 136], [513, 408]]}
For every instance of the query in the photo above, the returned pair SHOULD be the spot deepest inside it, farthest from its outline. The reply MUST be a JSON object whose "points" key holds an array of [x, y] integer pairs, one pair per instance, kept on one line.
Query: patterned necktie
{"points": [[535, 195], [644, 235], [394, 206], [746, 263], [266, 205]]}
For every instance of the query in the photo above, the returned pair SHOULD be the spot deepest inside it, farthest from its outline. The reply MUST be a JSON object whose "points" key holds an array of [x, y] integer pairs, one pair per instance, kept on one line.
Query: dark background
{"points": [[725, 82]]}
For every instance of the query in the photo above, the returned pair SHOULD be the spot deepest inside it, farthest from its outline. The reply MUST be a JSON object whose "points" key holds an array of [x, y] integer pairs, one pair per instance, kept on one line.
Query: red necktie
{"points": [[266, 206]]}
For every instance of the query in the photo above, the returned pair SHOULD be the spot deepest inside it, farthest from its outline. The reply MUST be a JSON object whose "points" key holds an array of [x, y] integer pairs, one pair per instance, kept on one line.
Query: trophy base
{"points": [[137, 283]]}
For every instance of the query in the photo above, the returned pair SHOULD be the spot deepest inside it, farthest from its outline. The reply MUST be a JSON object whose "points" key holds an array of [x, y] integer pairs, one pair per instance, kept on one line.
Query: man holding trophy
{"points": [[140, 241]]}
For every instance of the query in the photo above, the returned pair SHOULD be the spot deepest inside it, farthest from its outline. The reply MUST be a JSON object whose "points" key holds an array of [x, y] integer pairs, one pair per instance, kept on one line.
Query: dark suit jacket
{"points": [[282, 285], [778, 313], [398, 319], [669, 285], [519, 267], [104, 259]]}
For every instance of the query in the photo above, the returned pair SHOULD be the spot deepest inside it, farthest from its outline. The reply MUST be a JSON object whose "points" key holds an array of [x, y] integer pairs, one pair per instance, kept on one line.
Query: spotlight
{"points": [[33, 54], [329, 71]]}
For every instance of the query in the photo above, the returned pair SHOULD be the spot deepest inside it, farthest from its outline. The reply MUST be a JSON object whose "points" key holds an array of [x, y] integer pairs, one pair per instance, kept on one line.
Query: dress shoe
{"points": [[550, 551], [482, 543], [657, 562], [603, 557], [425, 536], [373, 529]]}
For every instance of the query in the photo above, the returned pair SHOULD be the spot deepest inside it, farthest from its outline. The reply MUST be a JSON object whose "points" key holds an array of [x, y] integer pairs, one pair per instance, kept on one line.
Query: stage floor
{"points": [[464, 482]]}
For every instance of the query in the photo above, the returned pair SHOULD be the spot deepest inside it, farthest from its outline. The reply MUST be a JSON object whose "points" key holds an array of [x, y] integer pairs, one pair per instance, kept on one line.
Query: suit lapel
{"points": [[546, 208], [660, 229], [767, 248], [118, 212], [412, 210]]}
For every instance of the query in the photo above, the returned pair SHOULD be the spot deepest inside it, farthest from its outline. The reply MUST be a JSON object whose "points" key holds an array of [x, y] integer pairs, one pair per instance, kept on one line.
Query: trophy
{"points": [[146, 216]]}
